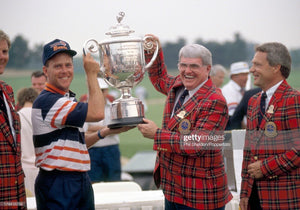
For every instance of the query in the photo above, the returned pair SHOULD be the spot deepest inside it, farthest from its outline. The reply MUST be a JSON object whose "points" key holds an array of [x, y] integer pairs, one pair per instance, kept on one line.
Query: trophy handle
{"points": [[149, 46], [90, 46], [93, 47]]}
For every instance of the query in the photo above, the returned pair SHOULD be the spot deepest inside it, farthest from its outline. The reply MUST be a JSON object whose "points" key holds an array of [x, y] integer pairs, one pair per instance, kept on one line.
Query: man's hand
{"points": [[148, 129], [254, 170], [90, 65], [96, 100], [244, 203], [92, 138], [118, 130]]}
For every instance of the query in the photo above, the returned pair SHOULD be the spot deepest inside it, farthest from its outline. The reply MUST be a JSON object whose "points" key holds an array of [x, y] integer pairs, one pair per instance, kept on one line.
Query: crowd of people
{"points": [[54, 147]]}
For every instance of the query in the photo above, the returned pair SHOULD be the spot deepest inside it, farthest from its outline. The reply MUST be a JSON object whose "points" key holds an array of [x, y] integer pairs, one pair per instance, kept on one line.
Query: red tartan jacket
{"points": [[276, 143], [192, 175], [12, 190]]}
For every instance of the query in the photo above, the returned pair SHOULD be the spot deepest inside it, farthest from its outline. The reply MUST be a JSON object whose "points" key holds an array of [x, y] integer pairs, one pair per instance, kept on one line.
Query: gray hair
{"points": [[277, 54], [196, 51], [217, 68], [4, 36]]}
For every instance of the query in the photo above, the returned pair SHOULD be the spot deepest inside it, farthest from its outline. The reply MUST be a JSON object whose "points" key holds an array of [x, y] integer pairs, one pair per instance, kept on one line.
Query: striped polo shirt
{"points": [[57, 119]]}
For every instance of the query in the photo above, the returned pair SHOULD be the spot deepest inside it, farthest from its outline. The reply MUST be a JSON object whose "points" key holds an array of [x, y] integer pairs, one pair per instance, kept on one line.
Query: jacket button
{"points": [[255, 158]]}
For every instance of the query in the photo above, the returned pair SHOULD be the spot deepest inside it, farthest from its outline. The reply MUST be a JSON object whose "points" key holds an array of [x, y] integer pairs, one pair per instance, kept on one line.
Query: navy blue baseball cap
{"points": [[54, 47]]}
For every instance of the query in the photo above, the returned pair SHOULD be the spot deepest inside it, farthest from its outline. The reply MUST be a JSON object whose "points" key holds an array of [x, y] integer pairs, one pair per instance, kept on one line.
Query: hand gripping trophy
{"points": [[122, 65]]}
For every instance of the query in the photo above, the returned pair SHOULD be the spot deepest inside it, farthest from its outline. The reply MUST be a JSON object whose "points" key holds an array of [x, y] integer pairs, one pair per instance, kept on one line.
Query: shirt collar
{"points": [[192, 92], [54, 89], [272, 90]]}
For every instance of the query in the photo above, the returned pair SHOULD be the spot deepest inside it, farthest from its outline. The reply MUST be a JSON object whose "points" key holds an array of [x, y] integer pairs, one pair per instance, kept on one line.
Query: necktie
{"points": [[262, 106], [181, 100]]}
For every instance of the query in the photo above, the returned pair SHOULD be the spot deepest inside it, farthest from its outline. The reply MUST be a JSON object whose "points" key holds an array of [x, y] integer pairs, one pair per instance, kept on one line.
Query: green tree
{"points": [[227, 52], [19, 53], [295, 54], [171, 50], [35, 61], [239, 48]]}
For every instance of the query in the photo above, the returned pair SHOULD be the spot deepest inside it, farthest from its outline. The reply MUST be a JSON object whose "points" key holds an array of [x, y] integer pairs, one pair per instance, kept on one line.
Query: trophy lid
{"points": [[120, 33], [119, 29]]}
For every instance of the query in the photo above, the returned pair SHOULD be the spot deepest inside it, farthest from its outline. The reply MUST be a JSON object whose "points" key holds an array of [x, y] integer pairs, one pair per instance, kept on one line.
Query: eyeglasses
{"points": [[192, 66]]}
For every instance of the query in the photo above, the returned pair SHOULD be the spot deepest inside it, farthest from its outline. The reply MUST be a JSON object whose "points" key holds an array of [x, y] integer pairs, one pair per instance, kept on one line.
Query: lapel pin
{"points": [[271, 109], [181, 114]]}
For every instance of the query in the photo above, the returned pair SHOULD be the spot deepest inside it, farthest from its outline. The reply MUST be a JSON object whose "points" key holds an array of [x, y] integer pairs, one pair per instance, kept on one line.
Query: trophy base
{"points": [[128, 121]]}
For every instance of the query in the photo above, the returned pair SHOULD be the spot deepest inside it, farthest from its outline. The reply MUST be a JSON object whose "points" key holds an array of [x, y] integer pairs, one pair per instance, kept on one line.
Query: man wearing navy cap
{"points": [[57, 120]]}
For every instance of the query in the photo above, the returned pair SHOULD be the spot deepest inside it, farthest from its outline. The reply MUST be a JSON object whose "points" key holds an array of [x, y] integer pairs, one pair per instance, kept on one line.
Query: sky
{"points": [[76, 21]]}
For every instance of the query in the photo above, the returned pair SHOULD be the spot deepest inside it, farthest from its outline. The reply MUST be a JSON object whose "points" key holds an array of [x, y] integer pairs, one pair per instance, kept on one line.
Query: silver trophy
{"points": [[122, 65]]}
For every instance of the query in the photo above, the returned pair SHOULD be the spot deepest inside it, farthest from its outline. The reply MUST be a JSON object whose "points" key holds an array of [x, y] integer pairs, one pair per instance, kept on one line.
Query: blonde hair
{"points": [[4, 36]]}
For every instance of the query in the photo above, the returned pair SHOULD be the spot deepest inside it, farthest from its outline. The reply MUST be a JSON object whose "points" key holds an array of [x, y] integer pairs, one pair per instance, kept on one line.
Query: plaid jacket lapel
{"points": [[277, 96], [8, 92], [273, 104], [188, 107]]}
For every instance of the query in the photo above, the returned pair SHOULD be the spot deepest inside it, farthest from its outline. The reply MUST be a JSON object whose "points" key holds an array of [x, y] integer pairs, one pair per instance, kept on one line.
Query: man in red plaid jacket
{"points": [[270, 171], [12, 190], [189, 166]]}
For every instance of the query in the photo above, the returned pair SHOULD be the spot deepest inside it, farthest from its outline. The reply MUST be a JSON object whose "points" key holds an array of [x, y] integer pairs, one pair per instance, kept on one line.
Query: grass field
{"points": [[132, 141]]}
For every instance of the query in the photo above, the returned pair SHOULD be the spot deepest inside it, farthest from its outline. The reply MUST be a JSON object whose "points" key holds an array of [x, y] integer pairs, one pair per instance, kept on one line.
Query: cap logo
{"points": [[54, 47], [59, 45]]}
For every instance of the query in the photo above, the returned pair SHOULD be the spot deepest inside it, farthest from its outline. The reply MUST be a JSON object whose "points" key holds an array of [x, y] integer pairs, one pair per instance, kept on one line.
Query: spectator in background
{"points": [[105, 154], [217, 75], [191, 177], [38, 80], [108, 96], [26, 97], [12, 190], [234, 90]]}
